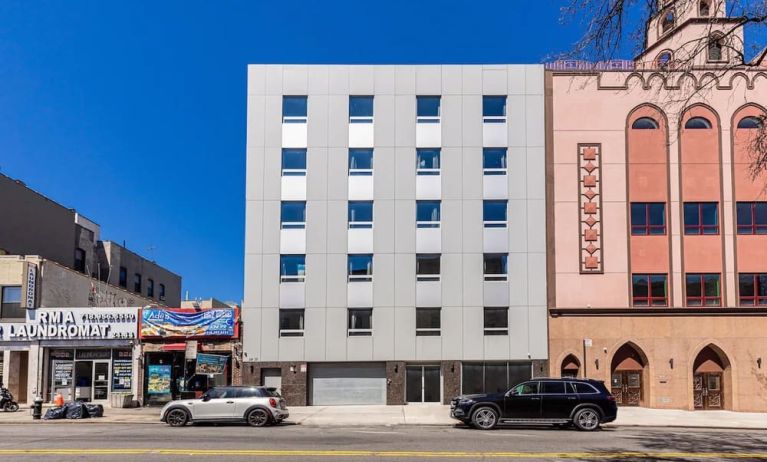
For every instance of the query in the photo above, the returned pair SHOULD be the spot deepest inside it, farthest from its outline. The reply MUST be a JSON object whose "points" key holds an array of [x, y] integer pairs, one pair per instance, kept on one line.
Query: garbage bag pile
{"points": [[75, 411]]}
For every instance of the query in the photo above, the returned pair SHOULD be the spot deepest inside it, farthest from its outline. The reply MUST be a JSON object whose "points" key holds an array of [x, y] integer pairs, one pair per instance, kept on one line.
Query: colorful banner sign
{"points": [[211, 364], [188, 323], [158, 382]]}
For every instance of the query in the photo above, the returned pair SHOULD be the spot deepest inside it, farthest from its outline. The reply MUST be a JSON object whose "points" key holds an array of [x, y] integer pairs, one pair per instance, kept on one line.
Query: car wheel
{"points": [[485, 418], [258, 418], [177, 417], [587, 419], [11, 407]]}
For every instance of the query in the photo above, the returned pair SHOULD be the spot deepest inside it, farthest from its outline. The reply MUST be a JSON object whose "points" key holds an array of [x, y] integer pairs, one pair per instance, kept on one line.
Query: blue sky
{"points": [[134, 112]]}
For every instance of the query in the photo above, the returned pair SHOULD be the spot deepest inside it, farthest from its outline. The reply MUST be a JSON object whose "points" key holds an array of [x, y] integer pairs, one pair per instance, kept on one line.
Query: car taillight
{"points": [[610, 398], [272, 402]]}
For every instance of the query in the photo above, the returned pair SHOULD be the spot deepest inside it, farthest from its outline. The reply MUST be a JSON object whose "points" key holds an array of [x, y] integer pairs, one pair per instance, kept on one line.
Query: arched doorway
{"points": [[627, 374], [708, 374], [571, 367]]}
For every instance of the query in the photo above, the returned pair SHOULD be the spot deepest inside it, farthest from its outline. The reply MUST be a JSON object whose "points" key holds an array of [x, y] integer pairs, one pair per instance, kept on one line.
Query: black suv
{"points": [[583, 403]]}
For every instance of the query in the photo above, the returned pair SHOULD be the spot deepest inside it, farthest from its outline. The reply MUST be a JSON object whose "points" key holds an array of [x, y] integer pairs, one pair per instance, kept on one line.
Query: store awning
{"points": [[174, 347]]}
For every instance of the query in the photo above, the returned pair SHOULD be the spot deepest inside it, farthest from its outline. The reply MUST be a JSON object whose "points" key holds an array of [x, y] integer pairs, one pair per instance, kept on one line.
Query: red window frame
{"points": [[754, 227], [756, 299], [703, 298], [650, 300], [646, 229], [699, 229]]}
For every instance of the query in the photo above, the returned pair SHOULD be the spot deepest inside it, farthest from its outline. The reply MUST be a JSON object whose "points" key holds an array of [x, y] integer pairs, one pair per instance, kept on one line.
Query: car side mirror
{"points": [[205, 398]]}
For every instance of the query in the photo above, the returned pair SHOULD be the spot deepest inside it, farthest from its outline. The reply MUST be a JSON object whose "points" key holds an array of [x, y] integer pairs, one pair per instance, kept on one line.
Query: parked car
{"points": [[256, 406], [563, 402]]}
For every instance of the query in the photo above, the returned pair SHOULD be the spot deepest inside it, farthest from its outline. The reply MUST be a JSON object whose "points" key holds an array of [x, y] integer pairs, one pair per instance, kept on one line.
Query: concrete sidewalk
{"points": [[427, 414]]}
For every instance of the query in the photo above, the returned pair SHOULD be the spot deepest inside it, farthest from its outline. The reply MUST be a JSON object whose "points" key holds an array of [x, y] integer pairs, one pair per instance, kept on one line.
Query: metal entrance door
{"points": [[422, 384], [100, 380], [627, 387], [707, 391]]}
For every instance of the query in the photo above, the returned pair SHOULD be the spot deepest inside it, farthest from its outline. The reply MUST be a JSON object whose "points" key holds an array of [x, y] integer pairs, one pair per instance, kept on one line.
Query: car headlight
{"points": [[465, 401]]}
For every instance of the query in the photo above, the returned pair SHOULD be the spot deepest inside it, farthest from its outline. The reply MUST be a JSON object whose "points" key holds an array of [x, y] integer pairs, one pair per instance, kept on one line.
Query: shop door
{"points": [[422, 384], [627, 387], [100, 380], [707, 391], [83, 380]]}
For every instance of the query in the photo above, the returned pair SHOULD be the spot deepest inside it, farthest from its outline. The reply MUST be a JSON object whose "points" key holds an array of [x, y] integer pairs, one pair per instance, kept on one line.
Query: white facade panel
{"points": [[294, 135], [361, 188], [293, 241], [495, 187], [496, 293], [292, 295], [495, 240], [361, 135], [293, 188], [428, 135], [495, 135], [360, 240], [428, 187], [428, 294], [360, 294], [428, 240]]}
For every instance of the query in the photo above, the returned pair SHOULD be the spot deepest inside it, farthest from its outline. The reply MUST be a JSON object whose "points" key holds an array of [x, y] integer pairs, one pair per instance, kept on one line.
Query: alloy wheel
{"points": [[588, 419], [177, 418], [258, 418], [485, 418]]}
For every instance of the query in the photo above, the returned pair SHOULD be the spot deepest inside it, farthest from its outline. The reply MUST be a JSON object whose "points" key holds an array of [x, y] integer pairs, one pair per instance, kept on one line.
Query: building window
{"points": [[648, 219], [649, 289], [360, 214], [705, 8], [496, 267], [493, 377], [292, 268], [750, 123], [495, 213], [645, 123], [294, 162], [123, 277], [80, 260], [703, 290], [162, 292], [664, 60], [293, 215], [494, 109], [361, 109], [428, 109], [427, 266], [667, 23], [494, 161], [360, 268], [698, 123], [150, 288], [496, 320], [752, 289], [294, 109], [360, 322], [360, 162], [427, 161], [701, 218], [427, 214], [10, 303], [137, 283], [752, 217], [428, 322], [291, 323], [716, 48]]}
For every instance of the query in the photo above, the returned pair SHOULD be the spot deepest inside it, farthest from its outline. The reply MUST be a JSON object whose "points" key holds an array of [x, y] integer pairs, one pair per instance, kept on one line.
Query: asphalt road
{"points": [[72, 441]]}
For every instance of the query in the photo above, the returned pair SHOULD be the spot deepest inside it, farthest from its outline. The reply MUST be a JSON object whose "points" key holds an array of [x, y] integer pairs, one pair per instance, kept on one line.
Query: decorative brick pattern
{"points": [[590, 208]]}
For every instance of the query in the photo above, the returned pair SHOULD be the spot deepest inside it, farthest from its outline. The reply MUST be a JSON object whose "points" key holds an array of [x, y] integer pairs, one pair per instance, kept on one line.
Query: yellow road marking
{"points": [[389, 454]]}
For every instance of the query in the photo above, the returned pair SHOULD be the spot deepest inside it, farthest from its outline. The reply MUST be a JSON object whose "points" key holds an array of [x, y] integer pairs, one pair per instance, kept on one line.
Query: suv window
{"points": [[527, 388], [583, 388], [553, 388]]}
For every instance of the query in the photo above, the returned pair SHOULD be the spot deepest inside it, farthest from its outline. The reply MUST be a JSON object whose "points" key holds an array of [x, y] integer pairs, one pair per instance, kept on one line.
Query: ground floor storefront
{"points": [[390, 382], [666, 361]]}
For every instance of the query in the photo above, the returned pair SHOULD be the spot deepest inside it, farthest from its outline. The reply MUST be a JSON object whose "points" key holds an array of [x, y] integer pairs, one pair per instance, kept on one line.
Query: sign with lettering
{"points": [[29, 297], [189, 323], [211, 364], [73, 324], [122, 370]]}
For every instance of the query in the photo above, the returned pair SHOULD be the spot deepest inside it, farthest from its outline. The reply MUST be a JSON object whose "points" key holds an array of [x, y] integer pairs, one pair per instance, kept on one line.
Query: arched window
{"points": [[645, 123], [669, 18], [705, 8], [750, 122], [664, 59], [697, 123], [716, 48]]}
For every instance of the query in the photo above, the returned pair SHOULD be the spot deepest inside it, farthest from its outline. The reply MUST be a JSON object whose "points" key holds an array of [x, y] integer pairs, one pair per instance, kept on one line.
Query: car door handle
{"points": [[535, 399], [571, 397], [230, 402]]}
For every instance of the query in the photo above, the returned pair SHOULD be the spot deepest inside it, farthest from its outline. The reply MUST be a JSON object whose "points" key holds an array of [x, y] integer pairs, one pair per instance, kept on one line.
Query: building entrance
{"points": [[422, 384], [627, 381], [91, 380], [708, 379]]}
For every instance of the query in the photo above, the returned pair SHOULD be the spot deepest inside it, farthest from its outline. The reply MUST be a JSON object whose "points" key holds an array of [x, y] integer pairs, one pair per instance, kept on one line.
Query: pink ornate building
{"points": [[658, 236]]}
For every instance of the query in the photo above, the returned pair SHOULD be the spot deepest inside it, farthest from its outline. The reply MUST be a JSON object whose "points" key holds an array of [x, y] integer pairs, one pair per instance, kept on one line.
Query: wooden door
{"points": [[627, 387], [707, 391]]}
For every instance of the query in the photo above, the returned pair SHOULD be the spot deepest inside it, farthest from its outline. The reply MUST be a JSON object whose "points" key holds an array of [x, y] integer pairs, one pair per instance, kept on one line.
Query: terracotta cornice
{"points": [[655, 312]]}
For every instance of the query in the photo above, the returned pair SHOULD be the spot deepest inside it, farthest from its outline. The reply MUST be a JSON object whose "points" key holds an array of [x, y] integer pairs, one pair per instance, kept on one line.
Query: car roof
{"points": [[564, 379]]}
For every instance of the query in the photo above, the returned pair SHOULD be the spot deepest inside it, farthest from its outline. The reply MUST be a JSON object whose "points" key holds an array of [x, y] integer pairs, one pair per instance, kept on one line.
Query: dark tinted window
{"points": [[361, 106], [494, 106], [583, 388], [645, 123], [294, 106], [427, 106], [553, 387]]}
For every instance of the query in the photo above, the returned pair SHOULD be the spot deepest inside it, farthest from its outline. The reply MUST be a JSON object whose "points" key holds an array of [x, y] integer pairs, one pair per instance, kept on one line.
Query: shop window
{"points": [[10, 303], [701, 218], [752, 217], [752, 289], [360, 214], [496, 321], [698, 123], [428, 109], [493, 377], [294, 109], [294, 162], [293, 215], [291, 323], [360, 268], [648, 219], [80, 260], [123, 277], [360, 322], [494, 213], [427, 267], [703, 290], [360, 162], [427, 161], [496, 266], [428, 322], [361, 109], [137, 283], [292, 268], [494, 161], [750, 123], [427, 214], [645, 123], [494, 109], [649, 289]]}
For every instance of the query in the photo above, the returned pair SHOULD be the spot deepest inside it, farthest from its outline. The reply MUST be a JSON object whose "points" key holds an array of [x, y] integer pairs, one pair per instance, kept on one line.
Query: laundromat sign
{"points": [[73, 324]]}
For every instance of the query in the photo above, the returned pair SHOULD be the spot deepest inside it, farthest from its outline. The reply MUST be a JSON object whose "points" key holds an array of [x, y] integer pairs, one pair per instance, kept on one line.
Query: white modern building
{"points": [[396, 231]]}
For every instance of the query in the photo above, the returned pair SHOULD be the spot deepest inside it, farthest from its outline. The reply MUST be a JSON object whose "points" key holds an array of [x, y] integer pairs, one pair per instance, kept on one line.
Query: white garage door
{"points": [[339, 384]]}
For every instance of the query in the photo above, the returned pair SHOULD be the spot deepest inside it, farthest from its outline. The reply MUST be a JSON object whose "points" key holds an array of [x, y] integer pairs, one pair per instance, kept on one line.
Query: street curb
{"points": [[689, 427]]}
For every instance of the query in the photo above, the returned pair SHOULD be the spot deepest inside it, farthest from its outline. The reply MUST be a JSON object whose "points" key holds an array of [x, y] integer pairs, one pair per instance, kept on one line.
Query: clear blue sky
{"points": [[133, 112]]}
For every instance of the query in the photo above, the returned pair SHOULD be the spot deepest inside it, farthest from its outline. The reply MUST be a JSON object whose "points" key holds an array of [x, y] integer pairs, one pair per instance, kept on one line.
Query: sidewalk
{"points": [[428, 414]]}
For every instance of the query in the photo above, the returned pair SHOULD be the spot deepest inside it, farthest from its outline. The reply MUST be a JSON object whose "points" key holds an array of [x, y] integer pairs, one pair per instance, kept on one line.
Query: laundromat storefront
{"points": [[186, 351]]}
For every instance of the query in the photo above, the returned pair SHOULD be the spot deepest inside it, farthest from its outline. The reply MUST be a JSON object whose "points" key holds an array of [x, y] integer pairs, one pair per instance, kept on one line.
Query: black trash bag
{"points": [[95, 410], [76, 411], [55, 413]]}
